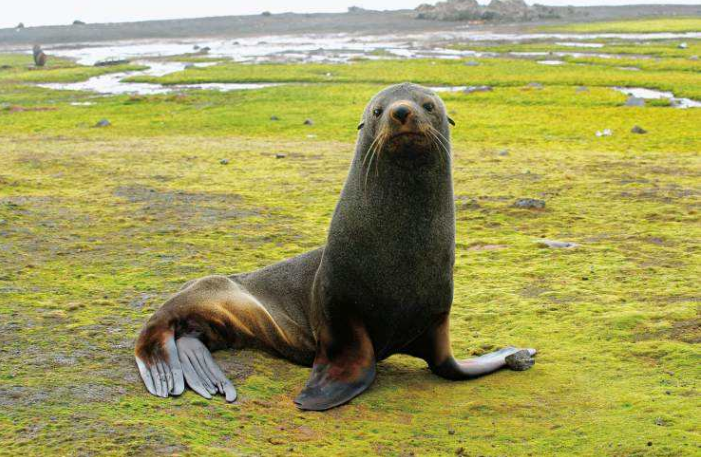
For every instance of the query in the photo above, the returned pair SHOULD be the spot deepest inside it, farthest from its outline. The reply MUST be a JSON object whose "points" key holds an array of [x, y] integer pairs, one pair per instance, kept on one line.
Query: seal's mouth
{"points": [[408, 134]]}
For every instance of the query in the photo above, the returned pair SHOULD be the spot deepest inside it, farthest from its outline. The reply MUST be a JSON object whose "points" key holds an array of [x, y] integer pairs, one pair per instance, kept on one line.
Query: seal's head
{"points": [[406, 121]]}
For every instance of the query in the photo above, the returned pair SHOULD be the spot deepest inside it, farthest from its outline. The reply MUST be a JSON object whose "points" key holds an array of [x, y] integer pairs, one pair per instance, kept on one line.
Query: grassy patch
{"points": [[495, 72], [661, 25]]}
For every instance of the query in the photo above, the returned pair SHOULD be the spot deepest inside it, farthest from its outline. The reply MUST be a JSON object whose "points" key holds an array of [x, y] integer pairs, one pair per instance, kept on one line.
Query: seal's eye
{"points": [[429, 106], [377, 112]]}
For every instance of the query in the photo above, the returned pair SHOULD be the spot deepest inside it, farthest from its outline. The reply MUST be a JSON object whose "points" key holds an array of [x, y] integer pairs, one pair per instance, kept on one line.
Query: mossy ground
{"points": [[99, 225], [651, 25]]}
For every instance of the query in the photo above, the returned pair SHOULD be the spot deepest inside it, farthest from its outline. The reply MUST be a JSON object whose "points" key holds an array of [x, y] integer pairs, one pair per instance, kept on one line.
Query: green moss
{"points": [[658, 25], [100, 225], [494, 71]]}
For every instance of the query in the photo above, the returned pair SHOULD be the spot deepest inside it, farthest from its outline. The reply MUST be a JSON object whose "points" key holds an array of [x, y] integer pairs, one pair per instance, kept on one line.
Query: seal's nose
{"points": [[401, 113]]}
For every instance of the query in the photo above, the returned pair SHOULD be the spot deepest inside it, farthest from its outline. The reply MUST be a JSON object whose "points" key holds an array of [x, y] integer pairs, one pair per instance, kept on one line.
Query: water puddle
{"points": [[651, 94], [307, 48]]}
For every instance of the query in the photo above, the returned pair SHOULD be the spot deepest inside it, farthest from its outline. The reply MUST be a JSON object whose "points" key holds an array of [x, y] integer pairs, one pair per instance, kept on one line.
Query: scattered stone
{"points": [[103, 123], [694, 58], [224, 161], [460, 451], [520, 361], [472, 63], [308, 122], [535, 85], [552, 244], [639, 130], [582, 89], [503, 153], [635, 101], [274, 118], [529, 203], [451, 432], [660, 422], [605, 132], [280, 156], [111, 62], [683, 45], [473, 89]]}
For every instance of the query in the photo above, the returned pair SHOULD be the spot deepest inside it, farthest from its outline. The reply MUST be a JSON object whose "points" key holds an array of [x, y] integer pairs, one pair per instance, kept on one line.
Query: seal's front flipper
{"points": [[344, 367]]}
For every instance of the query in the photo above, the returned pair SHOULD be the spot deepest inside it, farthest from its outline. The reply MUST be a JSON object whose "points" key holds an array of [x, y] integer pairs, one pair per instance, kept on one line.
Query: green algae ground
{"points": [[651, 25], [99, 225]]}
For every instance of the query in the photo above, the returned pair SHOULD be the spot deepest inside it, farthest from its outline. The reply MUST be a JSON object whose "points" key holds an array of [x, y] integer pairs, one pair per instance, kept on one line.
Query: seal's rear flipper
{"points": [[344, 367], [160, 367]]}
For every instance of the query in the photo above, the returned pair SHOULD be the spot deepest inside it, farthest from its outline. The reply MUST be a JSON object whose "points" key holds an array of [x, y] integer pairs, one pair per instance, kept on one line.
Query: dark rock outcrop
{"points": [[497, 10]]}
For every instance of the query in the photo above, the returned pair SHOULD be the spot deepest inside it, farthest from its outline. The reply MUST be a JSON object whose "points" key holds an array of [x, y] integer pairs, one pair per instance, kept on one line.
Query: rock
{"points": [[111, 62], [683, 45], [503, 153], [308, 122], [224, 161], [77, 22], [661, 422], [280, 156], [605, 132], [274, 118], [529, 203], [20, 26], [472, 63], [103, 123], [535, 85], [196, 47], [582, 89], [497, 10], [635, 101], [639, 130], [473, 89], [694, 58], [553, 244], [266, 13], [520, 361], [189, 66]]}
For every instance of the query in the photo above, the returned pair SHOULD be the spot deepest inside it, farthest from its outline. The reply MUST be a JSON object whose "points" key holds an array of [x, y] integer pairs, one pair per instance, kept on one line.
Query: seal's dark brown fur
{"points": [[382, 284]]}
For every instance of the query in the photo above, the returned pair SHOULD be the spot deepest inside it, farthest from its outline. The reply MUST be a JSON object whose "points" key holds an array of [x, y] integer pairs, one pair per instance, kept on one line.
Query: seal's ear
{"points": [[452, 122], [361, 125]]}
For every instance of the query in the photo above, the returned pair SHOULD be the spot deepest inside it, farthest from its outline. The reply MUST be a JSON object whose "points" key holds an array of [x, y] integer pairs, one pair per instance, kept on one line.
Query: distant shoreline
{"points": [[363, 22]]}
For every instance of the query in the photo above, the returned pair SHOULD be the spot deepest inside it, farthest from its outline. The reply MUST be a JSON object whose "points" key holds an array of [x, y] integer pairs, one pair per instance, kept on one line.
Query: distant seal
{"points": [[39, 56], [382, 284]]}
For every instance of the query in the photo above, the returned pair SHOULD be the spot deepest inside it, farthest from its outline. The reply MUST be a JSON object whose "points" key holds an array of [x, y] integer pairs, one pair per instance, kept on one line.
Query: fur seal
{"points": [[382, 284], [40, 57]]}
